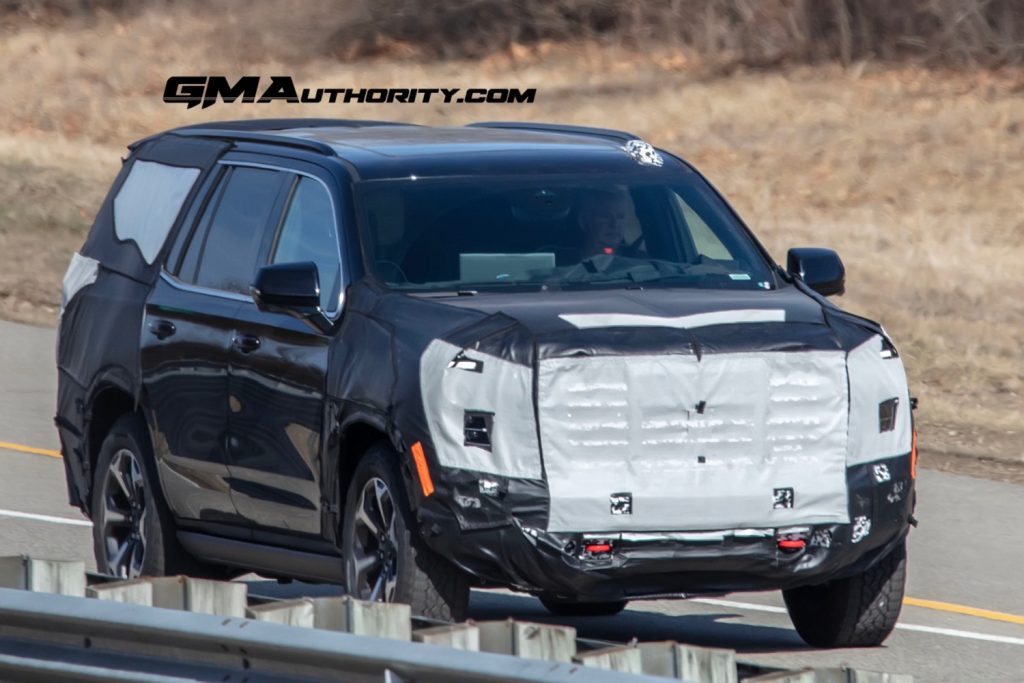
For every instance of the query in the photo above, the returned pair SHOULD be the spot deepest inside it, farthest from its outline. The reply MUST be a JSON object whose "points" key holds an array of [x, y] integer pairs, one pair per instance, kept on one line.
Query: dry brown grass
{"points": [[914, 176]]}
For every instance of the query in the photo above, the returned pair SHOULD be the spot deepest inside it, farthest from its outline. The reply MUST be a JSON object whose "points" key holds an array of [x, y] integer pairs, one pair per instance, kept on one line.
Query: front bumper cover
{"points": [[511, 548]]}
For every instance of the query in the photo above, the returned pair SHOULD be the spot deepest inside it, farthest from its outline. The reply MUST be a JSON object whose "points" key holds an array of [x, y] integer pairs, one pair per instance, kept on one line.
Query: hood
{"points": [[549, 312], [654, 321]]}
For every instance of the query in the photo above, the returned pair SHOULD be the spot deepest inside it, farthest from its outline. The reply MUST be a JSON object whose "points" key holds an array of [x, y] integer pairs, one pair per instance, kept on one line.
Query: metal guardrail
{"points": [[85, 639], [179, 628]]}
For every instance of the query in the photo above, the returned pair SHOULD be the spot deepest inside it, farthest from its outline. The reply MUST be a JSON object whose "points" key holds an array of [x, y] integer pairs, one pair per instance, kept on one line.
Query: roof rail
{"points": [[608, 133], [283, 124], [251, 129], [250, 136]]}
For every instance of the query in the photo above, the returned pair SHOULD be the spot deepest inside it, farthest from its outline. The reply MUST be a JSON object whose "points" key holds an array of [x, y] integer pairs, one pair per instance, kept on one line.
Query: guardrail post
{"points": [[689, 663], [362, 618], [526, 639], [854, 676], [292, 612], [135, 592], [457, 636], [47, 576], [841, 675], [802, 676], [223, 598], [616, 658]]}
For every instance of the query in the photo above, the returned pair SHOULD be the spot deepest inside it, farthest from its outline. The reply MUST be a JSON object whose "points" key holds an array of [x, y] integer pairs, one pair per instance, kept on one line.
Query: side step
{"points": [[264, 559]]}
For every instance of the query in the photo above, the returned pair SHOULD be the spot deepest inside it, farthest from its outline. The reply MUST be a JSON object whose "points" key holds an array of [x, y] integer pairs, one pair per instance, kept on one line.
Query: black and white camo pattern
{"points": [[643, 153], [861, 528]]}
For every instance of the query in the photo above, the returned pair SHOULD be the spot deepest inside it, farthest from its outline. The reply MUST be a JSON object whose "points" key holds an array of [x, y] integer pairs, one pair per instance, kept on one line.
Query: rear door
{"points": [[278, 373], [187, 335]]}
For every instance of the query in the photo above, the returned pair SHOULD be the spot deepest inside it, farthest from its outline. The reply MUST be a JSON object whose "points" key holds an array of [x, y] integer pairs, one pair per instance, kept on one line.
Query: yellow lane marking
{"points": [[964, 609], [29, 449]]}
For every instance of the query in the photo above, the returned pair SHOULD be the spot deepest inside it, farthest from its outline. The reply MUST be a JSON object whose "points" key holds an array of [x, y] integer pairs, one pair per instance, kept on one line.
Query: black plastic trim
{"points": [[263, 558]]}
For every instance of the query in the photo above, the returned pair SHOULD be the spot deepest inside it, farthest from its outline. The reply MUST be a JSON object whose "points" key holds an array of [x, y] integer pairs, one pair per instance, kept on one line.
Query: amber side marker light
{"points": [[420, 459]]}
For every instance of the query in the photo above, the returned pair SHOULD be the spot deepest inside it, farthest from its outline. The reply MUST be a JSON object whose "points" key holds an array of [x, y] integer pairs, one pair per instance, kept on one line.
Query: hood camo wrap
{"points": [[706, 411]]}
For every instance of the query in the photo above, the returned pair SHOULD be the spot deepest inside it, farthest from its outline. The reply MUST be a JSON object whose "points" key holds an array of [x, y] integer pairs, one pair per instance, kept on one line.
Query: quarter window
{"points": [[309, 234]]}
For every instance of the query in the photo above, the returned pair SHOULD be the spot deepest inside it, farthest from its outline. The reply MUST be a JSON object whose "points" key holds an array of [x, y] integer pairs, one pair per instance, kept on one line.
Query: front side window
{"points": [[226, 247], [556, 232], [308, 233]]}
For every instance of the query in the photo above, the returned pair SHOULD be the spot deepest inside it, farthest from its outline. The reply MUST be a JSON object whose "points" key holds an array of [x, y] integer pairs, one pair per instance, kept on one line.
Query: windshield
{"points": [[472, 234]]}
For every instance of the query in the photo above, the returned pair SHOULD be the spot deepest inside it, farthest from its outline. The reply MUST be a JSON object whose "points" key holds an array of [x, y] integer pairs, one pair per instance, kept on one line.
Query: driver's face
{"points": [[605, 221]]}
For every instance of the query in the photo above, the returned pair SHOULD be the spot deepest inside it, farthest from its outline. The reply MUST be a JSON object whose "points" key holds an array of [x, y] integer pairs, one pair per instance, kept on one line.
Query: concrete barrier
{"points": [[616, 658], [223, 598], [297, 612], [134, 591], [840, 675], [47, 576], [527, 639], [362, 618], [457, 636], [688, 662], [345, 614]]}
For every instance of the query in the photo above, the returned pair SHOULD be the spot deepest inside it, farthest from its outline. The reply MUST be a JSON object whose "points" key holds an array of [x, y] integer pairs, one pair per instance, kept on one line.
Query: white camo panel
{"points": [[874, 379], [630, 424], [503, 388]]}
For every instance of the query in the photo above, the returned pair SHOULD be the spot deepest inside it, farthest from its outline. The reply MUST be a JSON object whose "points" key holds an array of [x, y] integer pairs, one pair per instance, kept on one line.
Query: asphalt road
{"points": [[967, 556]]}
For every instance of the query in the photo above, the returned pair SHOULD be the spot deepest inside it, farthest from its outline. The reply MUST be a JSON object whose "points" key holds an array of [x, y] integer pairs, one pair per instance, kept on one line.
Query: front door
{"points": [[277, 378]]}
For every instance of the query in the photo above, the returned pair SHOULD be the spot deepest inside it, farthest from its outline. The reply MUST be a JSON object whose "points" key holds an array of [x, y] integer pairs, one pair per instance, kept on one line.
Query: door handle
{"points": [[246, 343], [162, 328]]}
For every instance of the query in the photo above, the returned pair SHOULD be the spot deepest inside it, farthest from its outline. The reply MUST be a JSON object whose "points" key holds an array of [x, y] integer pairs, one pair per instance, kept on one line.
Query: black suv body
{"points": [[417, 359]]}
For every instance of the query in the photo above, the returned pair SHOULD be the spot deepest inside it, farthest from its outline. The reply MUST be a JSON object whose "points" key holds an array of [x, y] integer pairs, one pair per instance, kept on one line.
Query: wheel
{"points": [[385, 560], [569, 608], [133, 534], [859, 611]]}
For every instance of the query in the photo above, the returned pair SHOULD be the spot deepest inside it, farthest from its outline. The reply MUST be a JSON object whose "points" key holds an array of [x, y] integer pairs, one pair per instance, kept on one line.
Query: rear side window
{"points": [[309, 234], [226, 247], [148, 203]]}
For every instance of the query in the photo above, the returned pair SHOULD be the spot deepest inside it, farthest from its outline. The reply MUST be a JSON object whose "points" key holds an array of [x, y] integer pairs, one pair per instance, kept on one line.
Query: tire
{"points": [[133, 532], [568, 608], [397, 566], [859, 611]]}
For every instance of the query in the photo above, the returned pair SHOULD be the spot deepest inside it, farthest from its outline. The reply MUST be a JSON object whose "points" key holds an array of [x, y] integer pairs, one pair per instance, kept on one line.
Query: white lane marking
{"points": [[741, 605], [955, 633], [45, 518]]}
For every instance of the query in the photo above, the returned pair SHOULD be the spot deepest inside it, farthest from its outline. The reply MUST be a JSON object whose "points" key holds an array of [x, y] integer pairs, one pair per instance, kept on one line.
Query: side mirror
{"points": [[821, 269], [293, 289]]}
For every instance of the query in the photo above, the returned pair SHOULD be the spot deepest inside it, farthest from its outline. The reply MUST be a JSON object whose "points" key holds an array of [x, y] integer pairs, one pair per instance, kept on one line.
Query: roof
{"points": [[380, 149]]}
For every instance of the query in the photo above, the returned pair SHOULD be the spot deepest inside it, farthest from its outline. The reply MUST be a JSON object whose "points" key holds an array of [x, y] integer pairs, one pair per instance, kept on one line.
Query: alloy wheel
{"points": [[373, 556], [124, 514]]}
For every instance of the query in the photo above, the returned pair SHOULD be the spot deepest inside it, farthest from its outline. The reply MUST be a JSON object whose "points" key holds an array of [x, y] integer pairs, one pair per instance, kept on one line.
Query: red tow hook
{"points": [[792, 544], [597, 549]]}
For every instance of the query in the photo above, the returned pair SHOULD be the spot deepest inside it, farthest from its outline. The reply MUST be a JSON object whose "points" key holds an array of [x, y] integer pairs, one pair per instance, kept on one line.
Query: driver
{"points": [[604, 217]]}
